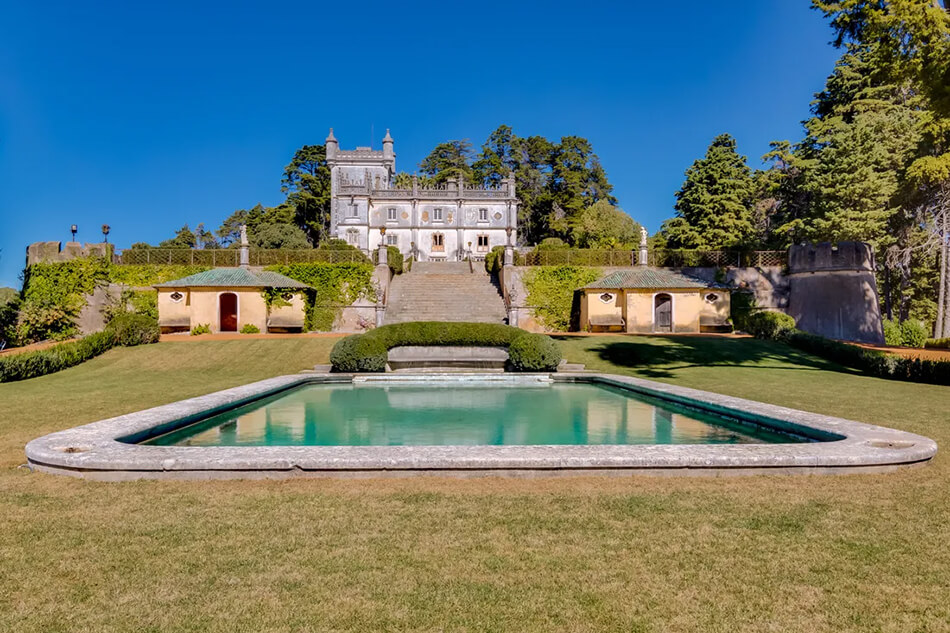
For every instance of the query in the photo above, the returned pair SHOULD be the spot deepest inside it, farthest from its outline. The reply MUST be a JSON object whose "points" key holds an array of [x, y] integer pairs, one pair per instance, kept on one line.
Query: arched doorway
{"points": [[663, 313], [227, 312]]}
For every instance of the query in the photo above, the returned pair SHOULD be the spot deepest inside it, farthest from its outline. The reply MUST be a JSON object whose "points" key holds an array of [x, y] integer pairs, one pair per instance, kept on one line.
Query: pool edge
{"points": [[95, 451]]}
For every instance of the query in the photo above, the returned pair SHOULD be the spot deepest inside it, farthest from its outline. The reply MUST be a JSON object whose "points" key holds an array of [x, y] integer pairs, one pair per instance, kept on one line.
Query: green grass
{"points": [[847, 553]]}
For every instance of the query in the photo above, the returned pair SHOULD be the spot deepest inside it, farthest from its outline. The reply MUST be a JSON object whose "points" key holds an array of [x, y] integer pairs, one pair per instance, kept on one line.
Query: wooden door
{"points": [[663, 313], [228, 316]]}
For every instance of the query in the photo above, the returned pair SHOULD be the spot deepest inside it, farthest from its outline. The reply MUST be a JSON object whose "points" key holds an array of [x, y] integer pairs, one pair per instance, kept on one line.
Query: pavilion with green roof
{"points": [[651, 300], [232, 300]]}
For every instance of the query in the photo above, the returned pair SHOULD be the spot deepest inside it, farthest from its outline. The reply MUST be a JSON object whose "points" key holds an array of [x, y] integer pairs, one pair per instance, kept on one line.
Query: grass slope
{"points": [[848, 553]]}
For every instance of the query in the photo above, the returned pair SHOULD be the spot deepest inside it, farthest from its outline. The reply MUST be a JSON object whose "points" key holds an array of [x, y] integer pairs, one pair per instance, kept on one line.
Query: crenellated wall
{"points": [[47, 252]]}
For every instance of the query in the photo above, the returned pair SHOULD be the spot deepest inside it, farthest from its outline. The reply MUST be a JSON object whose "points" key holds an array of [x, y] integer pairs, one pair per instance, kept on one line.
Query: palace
{"points": [[451, 222]]}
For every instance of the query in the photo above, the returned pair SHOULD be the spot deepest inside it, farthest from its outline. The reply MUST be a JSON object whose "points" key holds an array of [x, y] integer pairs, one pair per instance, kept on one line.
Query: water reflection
{"points": [[419, 415]]}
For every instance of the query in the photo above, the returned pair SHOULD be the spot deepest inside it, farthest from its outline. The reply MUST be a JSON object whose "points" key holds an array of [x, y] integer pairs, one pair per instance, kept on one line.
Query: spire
{"points": [[332, 145], [388, 146]]}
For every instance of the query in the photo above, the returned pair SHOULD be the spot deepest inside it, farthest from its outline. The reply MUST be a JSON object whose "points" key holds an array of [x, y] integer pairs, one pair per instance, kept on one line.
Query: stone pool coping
{"points": [[103, 450]]}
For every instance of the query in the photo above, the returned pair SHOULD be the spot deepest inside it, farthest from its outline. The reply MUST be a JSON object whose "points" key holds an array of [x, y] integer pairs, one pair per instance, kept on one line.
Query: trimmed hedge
{"points": [[872, 362], [125, 330], [368, 352], [769, 325], [534, 352], [938, 343]]}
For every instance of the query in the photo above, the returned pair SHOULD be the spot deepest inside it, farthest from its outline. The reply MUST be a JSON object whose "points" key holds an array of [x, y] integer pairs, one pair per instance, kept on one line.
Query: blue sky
{"points": [[146, 116]]}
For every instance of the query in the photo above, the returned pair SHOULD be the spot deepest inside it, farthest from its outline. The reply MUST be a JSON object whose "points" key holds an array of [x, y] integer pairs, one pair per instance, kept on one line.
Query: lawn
{"points": [[843, 553]]}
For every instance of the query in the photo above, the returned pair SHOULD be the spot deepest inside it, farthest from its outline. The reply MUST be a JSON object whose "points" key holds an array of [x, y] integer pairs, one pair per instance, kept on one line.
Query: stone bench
{"points": [[447, 358], [605, 321]]}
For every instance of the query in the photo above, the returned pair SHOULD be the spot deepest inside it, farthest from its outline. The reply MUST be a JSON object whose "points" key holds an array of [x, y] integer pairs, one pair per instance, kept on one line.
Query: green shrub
{"points": [[394, 259], [872, 362], [201, 328], [250, 328], [47, 361], [741, 307], [938, 343], [134, 329], [368, 352], [892, 333], [495, 259], [534, 352], [914, 333], [359, 353], [769, 325]]}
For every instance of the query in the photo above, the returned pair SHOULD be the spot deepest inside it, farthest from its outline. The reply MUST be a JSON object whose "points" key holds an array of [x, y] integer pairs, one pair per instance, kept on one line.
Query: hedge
{"points": [[872, 362], [938, 343], [135, 330], [368, 352]]}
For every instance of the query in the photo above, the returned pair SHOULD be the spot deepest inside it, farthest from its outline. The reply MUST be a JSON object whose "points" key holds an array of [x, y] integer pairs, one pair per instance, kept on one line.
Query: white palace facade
{"points": [[450, 222]]}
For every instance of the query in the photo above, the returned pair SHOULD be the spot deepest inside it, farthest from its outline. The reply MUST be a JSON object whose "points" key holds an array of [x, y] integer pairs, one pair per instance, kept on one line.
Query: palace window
{"points": [[482, 242], [438, 243], [391, 214], [392, 240], [353, 238], [483, 215], [437, 214], [352, 211]]}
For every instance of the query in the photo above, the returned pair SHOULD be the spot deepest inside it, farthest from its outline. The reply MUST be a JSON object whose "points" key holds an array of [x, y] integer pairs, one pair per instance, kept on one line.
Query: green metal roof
{"points": [[650, 277], [233, 278]]}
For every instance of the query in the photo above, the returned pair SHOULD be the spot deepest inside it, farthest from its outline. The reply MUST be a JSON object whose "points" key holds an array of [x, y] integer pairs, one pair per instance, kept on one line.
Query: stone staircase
{"points": [[445, 291]]}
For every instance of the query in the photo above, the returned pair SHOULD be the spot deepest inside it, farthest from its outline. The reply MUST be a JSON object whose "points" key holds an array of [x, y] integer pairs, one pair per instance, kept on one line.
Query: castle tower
{"points": [[833, 291]]}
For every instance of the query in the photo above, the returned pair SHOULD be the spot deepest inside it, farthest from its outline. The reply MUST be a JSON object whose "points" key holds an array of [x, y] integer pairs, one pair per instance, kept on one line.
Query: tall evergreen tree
{"points": [[714, 205], [306, 182], [451, 159]]}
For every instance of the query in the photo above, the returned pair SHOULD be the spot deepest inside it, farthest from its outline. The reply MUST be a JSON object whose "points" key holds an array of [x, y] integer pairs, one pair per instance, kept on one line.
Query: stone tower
{"points": [[833, 291]]}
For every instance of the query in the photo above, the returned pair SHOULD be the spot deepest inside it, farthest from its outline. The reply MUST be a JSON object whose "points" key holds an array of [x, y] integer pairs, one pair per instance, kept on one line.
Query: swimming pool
{"points": [[342, 425], [452, 413]]}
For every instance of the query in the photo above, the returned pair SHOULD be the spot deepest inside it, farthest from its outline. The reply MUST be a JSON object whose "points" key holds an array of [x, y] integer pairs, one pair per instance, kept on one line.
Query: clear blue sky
{"points": [[146, 116]]}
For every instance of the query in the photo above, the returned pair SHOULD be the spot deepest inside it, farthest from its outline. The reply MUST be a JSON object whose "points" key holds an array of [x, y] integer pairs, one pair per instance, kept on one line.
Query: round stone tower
{"points": [[833, 291]]}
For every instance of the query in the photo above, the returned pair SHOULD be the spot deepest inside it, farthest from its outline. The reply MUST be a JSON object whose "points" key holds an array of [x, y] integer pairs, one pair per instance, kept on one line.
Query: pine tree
{"points": [[714, 205]]}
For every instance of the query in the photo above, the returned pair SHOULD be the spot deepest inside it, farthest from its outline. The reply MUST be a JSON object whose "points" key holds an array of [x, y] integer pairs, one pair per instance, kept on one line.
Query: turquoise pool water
{"points": [[453, 414]]}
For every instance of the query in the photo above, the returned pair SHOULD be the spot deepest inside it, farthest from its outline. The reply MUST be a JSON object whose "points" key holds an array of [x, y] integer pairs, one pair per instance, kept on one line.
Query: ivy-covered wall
{"points": [[334, 286], [55, 293], [550, 291]]}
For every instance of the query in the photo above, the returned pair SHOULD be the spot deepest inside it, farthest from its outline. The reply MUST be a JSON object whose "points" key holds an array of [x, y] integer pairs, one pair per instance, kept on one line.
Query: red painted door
{"points": [[228, 316]]}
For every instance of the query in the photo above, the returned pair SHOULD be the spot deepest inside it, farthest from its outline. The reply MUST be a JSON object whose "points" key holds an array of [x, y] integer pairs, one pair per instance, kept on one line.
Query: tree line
{"points": [[873, 164]]}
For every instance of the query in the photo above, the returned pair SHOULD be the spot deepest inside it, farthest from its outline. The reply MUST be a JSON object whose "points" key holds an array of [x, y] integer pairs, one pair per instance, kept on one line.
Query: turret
{"points": [[333, 146], [387, 146]]}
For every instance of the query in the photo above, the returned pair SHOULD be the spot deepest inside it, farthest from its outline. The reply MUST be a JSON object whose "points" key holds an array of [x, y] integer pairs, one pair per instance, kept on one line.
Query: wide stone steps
{"points": [[444, 291]]}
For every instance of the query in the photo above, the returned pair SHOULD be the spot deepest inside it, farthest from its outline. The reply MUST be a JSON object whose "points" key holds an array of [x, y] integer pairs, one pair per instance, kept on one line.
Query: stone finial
{"points": [[245, 248], [386, 139], [330, 137]]}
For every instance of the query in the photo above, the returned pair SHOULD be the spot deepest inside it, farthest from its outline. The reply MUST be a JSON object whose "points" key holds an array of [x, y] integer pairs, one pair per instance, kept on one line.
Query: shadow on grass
{"points": [[659, 357]]}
